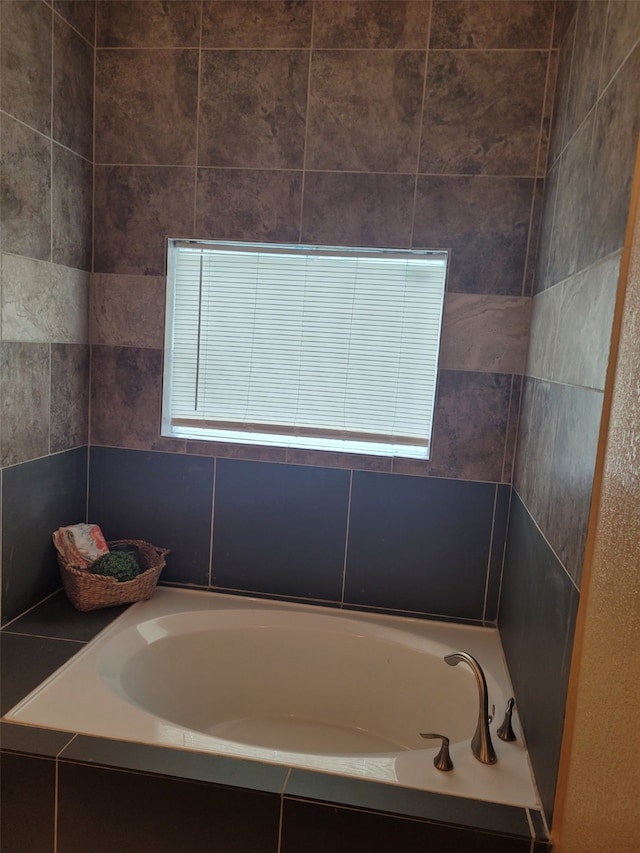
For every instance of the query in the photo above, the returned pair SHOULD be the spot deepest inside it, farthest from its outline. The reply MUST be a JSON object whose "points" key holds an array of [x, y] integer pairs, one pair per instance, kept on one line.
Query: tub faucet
{"points": [[481, 745]]}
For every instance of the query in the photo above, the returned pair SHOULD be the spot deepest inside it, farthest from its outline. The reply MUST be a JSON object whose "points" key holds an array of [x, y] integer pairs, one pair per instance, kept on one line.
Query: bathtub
{"points": [[345, 693]]}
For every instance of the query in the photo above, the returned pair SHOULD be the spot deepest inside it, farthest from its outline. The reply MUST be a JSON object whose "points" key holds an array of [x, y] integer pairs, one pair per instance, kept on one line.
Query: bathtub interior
{"points": [[291, 684]]}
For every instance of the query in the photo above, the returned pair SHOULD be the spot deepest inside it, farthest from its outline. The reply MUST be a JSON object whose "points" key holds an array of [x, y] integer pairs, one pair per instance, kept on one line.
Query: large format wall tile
{"points": [[357, 209], [24, 401], [72, 90], [269, 131], [43, 302], [137, 208], [126, 399], [581, 351], [419, 544], [256, 23], [25, 52], [164, 498], [473, 122], [127, 310], [37, 498], [384, 24], [280, 529], [146, 105], [583, 84], [559, 429], [487, 333], [28, 821], [623, 32], [364, 110], [615, 140], [72, 184], [485, 223], [210, 816], [537, 619], [25, 185], [469, 429], [69, 396], [148, 23], [496, 24], [249, 204], [80, 14]]}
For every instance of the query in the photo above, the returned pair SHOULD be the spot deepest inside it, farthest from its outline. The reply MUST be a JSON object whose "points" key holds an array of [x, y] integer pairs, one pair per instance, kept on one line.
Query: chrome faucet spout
{"points": [[481, 745]]}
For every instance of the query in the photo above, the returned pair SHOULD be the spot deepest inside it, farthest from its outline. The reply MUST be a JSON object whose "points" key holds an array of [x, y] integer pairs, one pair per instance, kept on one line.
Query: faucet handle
{"points": [[506, 732], [442, 761]]}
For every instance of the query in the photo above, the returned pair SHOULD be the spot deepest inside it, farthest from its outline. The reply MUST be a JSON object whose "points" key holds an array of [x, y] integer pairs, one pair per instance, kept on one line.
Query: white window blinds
{"points": [[301, 346]]}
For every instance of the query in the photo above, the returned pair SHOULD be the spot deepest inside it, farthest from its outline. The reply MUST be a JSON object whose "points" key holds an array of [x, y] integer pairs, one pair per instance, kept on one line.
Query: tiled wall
{"points": [[366, 123], [46, 130], [592, 151]]}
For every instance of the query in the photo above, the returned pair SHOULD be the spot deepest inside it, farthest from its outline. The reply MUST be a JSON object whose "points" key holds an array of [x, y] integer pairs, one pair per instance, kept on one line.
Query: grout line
{"points": [[346, 539], [197, 141], [213, 507], [56, 801], [306, 124], [419, 145], [491, 538]]}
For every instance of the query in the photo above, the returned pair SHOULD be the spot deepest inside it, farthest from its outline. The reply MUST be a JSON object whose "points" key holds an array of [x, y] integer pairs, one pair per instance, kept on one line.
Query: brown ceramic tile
{"points": [[364, 110], [541, 279], [485, 223], [148, 23], [482, 24], [25, 50], [585, 63], [25, 187], [570, 246], [622, 33], [533, 246], [43, 302], [24, 396], [146, 104], [253, 107], [547, 113], [574, 454], [588, 299], [223, 450], [72, 188], [72, 90], [126, 392], [256, 23], [546, 321], [357, 209], [127, 310], [512, 429], [69, 396], [469, 430], [536, 439], [328, 459], [384, 24], [473, 123], [565, 13], [137, 208], [561, 98], [615, 137], [81, 14], [248, 204], [486, 333]]}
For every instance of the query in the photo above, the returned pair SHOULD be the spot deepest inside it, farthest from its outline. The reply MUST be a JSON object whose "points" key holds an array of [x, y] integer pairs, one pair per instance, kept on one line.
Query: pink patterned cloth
{"points": [[80, 545]]}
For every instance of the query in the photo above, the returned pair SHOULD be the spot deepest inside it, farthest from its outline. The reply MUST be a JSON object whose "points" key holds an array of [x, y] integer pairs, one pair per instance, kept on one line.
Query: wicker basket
{"points": [[87, 591]]}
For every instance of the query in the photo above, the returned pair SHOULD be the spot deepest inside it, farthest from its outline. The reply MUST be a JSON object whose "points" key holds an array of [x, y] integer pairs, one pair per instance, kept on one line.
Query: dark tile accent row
{"points": [[364, 539], [37, 498], [538, 607]]}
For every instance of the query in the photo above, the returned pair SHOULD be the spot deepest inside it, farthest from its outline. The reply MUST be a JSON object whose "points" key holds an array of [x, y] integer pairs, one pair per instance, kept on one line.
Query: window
{"points": [[303, 346]]}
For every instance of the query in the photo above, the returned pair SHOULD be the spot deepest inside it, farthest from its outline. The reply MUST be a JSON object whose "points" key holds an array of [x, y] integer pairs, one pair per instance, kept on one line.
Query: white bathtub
{"points": [[290, 684]]}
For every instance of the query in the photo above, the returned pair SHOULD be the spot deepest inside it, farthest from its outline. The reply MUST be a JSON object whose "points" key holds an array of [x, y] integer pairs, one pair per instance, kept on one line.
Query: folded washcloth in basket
{"points": [[80, 545]]}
